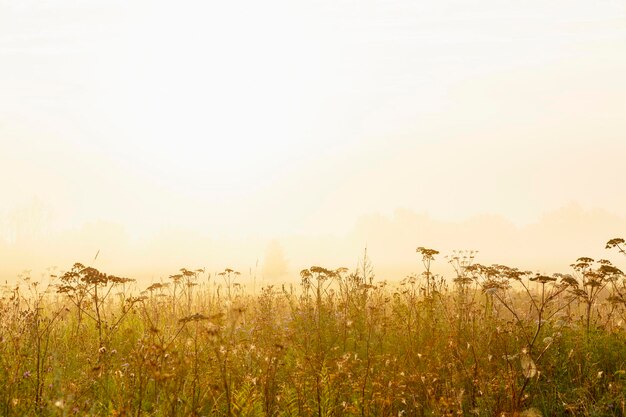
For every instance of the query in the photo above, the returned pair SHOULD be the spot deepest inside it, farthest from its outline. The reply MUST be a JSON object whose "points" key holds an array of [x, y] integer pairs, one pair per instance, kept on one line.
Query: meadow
{"points": [[483, 341]]}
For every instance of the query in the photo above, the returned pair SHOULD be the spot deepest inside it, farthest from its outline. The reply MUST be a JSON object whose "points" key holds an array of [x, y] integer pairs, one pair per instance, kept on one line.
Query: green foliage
{"points": [[492, 340]]}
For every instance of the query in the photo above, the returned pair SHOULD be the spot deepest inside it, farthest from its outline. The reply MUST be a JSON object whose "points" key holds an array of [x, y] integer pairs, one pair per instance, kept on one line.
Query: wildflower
{"points": [[26, 374], [528, 365], [531, 412]]}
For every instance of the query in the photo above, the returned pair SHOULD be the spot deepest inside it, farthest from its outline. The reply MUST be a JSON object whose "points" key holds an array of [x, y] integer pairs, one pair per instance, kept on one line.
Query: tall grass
{"points": [[489, 341]]}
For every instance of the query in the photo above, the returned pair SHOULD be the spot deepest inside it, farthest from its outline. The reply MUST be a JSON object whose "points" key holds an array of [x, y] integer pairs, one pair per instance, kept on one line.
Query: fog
{"points": [[271, 136], [548, 245]]}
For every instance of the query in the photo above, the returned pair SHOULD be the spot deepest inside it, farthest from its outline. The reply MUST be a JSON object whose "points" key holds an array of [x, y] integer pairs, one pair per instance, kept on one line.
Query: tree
{"points": [[275, 265]]}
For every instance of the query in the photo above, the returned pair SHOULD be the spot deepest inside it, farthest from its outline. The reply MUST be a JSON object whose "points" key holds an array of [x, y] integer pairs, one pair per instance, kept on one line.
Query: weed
{"points": [[492, 340]]}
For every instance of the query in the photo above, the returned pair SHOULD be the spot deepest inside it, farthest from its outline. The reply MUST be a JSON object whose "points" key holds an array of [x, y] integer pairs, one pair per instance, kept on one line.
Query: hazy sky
{"points": [[290, 117]]}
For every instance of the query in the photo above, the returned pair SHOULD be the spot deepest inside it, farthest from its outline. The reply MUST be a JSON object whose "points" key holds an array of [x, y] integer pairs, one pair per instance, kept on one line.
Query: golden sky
{"points": [[250, 121]]}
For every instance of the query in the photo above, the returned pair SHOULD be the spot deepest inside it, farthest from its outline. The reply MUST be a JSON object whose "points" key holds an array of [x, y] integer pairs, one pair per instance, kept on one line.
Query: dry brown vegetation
{"points": [[490, 340]]}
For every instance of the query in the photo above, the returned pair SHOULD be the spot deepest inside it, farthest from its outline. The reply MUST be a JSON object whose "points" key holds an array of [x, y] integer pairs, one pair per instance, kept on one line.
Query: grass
{"points": [[487, 341]]}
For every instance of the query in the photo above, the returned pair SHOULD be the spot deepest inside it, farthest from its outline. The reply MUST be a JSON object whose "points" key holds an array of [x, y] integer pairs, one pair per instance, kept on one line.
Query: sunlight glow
{"points": [[279, 118]]}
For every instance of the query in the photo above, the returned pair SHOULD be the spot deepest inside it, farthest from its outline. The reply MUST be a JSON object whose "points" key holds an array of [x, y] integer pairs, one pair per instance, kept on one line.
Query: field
{"points": [[485, 341]]}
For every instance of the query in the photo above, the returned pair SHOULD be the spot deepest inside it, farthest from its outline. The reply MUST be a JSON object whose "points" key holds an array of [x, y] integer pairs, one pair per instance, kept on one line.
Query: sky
{"points": [[239, 124]]}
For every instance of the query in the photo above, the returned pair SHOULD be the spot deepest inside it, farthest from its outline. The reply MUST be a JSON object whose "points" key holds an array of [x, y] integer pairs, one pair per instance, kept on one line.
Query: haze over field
{"points": [[271, 136]]}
